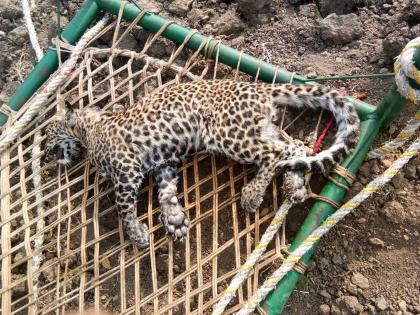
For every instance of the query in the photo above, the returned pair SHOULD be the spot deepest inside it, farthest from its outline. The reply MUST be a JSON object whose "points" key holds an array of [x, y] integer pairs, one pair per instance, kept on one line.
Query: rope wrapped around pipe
{"points": [[405, 69]]}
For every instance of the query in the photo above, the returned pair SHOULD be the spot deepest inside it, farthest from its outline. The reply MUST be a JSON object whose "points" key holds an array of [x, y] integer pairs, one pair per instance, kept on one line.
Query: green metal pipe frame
{"points": [[374, 119], [153, 23]]}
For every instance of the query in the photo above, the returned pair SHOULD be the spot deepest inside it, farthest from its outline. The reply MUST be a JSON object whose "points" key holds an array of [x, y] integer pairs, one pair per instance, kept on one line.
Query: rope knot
{"points": [[405, 69]]}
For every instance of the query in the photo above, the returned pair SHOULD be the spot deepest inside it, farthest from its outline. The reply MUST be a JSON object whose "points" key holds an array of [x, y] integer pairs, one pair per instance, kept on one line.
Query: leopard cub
{"points": [[224, 116]]}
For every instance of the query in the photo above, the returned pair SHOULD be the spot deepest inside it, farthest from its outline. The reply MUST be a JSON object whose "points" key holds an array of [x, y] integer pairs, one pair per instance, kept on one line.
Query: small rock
{"points": [[19, 255], [381, 303], [128, 42], [177, 269], [394, 211], [301, 50], [352, 289], [416, 309], [411, 12], [324, 309], [197, 16], [340, 7], [229, 23], [180, 7], [237, 41], [365, 169], [406, 237], [383, 70], [399, 181], [19, 35], [374, 59], [71, 261], [402, 305], [370, 308], [150, 6], [311, 265], [323, 263], [361, 220], [415, 30], [50, 272], [410, 172], [325, 294], [9, 10], [18, 289], [340, 29], [347, 304], [309, 10], [376, 241], [264, 211], [360, 280], [163, 249], [255, 11], [250, 6], [161, 265], [386, 162], [393, 44], [337, 260], [392, 129]]}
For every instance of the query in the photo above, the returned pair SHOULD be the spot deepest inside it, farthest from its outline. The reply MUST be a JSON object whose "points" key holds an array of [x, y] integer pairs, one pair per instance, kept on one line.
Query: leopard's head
{"points": [[63, 141]]}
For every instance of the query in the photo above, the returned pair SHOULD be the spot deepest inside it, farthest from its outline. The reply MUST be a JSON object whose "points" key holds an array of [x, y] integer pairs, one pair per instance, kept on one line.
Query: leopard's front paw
{"points": [[137, 232], [174, 219], [251, 199], [294, 186]]}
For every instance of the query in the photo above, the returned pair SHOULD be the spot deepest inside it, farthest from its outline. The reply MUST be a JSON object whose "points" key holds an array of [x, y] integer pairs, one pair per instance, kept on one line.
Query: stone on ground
{"points": [[381, 303], [255, 11], [337, 6], [180, 7], [340, 29], [347, 304], [360, 280], [229, 23]]}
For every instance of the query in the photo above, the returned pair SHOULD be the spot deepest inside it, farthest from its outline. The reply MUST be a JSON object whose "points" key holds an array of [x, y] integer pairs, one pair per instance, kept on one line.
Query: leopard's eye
{"points": [[51, 149]]}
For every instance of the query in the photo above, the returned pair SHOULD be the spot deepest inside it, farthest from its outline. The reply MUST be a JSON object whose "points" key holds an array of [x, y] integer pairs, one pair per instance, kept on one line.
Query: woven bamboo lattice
{"points": [[87, 261]]}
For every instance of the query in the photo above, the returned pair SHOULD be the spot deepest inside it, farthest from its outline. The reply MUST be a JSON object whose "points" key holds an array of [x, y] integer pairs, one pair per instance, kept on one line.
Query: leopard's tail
{"points": [[316, 97]]}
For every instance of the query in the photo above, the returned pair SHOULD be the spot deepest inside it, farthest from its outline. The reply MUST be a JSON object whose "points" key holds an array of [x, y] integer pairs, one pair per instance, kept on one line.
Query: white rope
{"points": [[312, 239], [10, 134], [252, 259], [405, 68], [246, 268], [36, 168], [40, 224], [31, 29]]}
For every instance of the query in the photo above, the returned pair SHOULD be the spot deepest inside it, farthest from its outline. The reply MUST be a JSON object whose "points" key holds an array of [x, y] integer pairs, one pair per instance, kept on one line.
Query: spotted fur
{"points": [[229, 117]]}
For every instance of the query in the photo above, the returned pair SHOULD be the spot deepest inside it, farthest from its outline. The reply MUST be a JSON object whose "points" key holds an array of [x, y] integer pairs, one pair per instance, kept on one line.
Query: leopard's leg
{"points": [[126, 190], [294, 185], [172, 213], [253, 193]]}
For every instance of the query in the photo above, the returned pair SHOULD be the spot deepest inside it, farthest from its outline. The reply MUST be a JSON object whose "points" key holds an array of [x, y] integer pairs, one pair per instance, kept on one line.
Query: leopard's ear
{"points": [[63, 107], [70, 119], [94, 108]]}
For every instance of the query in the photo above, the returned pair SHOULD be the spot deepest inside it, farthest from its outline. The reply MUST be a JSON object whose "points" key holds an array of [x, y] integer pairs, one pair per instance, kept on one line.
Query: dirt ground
{"points": [[370, 262]]}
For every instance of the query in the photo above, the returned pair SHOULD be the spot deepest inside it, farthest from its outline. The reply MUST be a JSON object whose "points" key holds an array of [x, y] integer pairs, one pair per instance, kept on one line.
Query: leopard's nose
{"points": [[60, 154]]}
